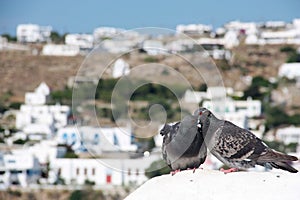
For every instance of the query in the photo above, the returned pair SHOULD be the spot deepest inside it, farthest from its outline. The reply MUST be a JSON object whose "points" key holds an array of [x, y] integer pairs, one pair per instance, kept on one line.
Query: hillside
{"points": [[22, 71]]}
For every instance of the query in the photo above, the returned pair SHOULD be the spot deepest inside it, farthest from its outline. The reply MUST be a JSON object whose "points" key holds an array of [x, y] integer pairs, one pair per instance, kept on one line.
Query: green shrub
{"points": [[20, 141], [288, 49], [293, 57], [150, 59]]}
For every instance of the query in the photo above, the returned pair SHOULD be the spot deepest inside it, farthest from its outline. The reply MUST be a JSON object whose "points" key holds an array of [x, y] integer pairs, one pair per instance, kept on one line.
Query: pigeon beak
{"points": [[199, 125]]}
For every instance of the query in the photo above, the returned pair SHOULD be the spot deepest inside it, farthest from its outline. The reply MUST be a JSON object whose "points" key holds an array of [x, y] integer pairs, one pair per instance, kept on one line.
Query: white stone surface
{"points": [[209, 184]]}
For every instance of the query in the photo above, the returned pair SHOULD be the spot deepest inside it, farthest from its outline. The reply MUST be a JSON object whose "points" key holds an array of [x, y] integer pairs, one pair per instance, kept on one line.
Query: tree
{"points": [[254, 89], [56, 37], [203, 87], [9, 37]]}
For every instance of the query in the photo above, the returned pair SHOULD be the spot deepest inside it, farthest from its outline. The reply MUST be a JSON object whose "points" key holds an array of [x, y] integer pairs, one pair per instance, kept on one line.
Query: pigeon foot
{"points": [[175, 172], [226, 171]]}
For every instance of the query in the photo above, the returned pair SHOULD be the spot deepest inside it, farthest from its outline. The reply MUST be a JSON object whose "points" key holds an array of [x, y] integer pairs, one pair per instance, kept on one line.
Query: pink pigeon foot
{"points": [[226, 171], [174, 172]]}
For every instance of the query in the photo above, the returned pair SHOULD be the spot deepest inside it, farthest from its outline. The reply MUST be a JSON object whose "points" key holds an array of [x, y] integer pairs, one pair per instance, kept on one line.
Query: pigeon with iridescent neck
{"points": [[238, 148], [183, 146]]}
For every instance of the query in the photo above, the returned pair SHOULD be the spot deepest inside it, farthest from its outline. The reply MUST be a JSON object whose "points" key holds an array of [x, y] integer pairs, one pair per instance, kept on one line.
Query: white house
{"points": [[106, 32], [37, 119], [45, 151], [120, 68], [96, 140], [3, 43], [84, 41], [154, 47], [289, 70], [60, 50], [237, 112], [19, 168], [251, 39], [274, 24], [250, 107], [242, 27], [194, 96], [280, 37], [33, 33], [193, 29], [180, 45], [118, 45], [102, 33], [289, 134], [231, 39], [39, 96], [103, 171]]}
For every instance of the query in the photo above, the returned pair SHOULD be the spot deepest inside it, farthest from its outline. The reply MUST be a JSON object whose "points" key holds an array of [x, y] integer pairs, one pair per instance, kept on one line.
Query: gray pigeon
{"points": [[237, 147], [183, 146]]}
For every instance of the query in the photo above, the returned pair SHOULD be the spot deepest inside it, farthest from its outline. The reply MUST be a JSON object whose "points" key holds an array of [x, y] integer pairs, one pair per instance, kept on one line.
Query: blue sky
{"points": [[83, 16]]}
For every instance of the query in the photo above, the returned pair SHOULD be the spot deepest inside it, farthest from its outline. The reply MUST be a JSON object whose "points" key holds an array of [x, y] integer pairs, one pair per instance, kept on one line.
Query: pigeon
{"points": [[183, 146], [237, 147]]}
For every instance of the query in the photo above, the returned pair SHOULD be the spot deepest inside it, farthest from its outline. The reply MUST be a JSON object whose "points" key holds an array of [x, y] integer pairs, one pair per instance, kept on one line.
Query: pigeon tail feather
{"points": [[284, 166], [273, 155]]}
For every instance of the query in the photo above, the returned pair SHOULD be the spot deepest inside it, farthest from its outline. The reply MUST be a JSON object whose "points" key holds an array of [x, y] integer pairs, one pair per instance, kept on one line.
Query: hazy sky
{"points": [[83, 16]]}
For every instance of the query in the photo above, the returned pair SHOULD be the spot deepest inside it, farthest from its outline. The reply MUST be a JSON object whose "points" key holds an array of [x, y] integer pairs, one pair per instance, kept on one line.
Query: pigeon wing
{"points": [[235, 143]]}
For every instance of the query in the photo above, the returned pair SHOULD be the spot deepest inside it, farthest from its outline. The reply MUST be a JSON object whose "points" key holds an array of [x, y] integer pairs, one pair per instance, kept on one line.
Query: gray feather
{"points": [[183, 146], [238, 147]]}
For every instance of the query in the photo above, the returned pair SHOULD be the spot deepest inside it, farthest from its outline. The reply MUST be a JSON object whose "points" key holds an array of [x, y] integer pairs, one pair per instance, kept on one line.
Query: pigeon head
{"points": [[203, 115], [165, 130]]}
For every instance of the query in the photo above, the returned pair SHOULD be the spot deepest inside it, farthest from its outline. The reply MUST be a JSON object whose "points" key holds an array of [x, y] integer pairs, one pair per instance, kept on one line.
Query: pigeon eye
{"points": [[200, 113]]}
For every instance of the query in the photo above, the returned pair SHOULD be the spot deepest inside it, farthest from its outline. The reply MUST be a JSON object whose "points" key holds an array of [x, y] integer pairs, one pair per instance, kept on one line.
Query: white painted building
{"points": [[104, 32], [37, 119], [242, 27], [33, 33], [180, 45], [39, 96], [194, 96], [19, 168], [280, 37], [250, 108], [289, 70], [275, 24], [193, 29], [97, 140], [60, 50], [289, 135], [45, 151], [231, 39], [84, 41], [237, 112], [154, 47], [103, 171], [3, 43], [118, 45], [120, 68], [251, 39]]}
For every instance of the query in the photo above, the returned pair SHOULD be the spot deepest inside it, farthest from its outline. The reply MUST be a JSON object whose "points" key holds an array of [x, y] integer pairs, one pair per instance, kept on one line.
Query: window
{"points": [[116, 141], [93, 171], [85, 171], [227, 109], [129, 172], [65, 137], [137, 172], [96, 139], [77, 171]]}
